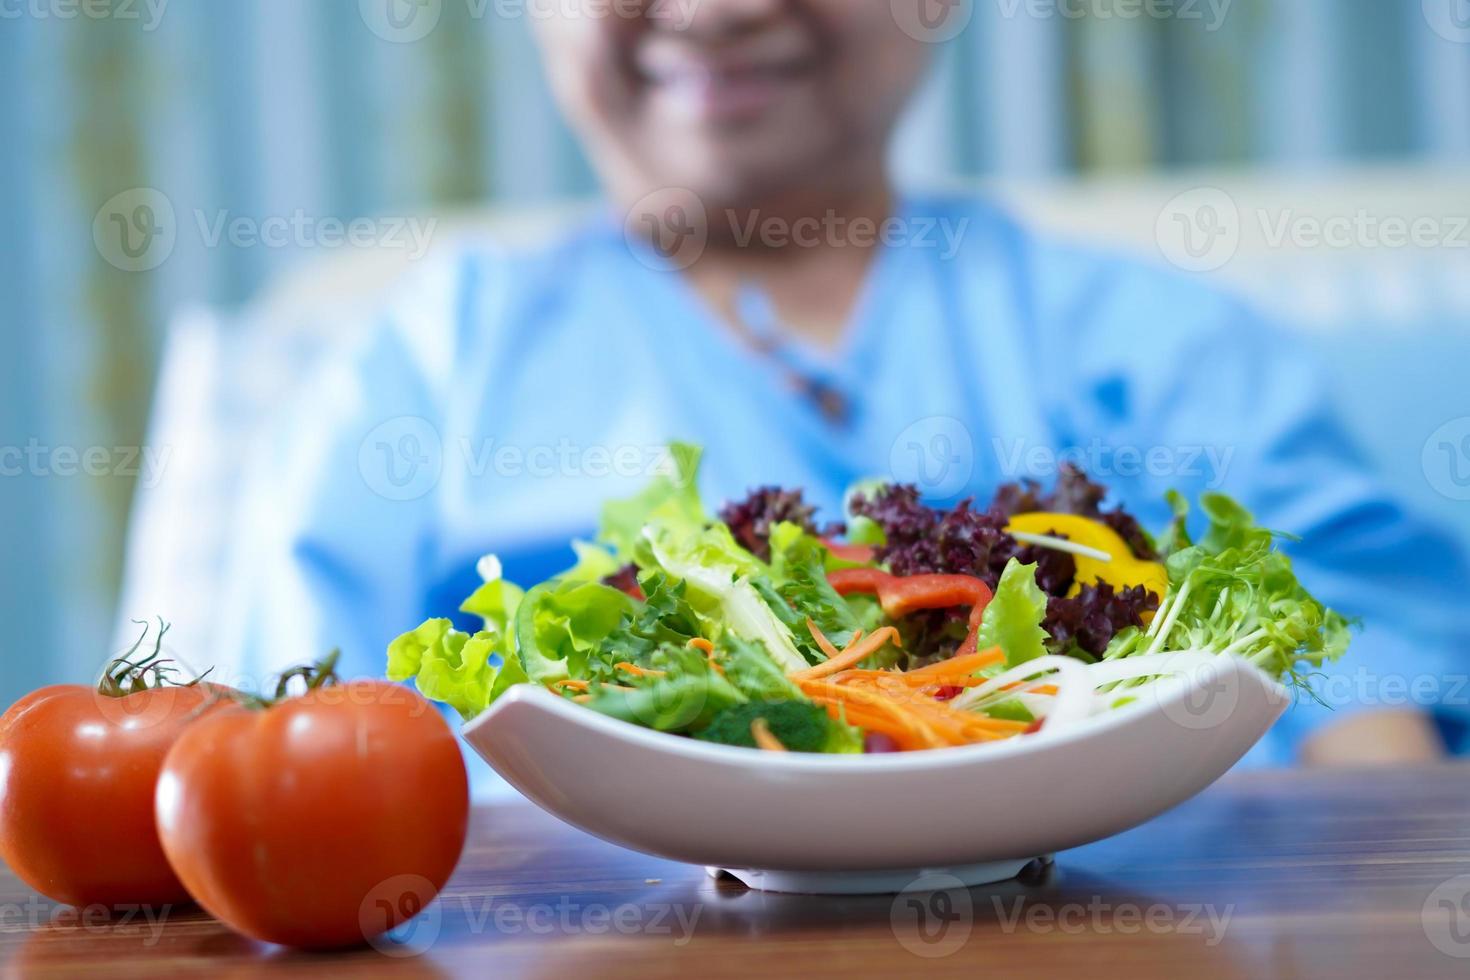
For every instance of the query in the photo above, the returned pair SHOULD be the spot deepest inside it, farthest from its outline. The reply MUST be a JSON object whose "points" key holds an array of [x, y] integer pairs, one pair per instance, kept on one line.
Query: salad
{"points": [[902, 627]]}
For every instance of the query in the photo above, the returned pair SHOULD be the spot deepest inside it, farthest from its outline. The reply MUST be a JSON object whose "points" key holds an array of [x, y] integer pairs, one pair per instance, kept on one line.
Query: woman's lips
{"points": [[726, 96], [721, 90]]}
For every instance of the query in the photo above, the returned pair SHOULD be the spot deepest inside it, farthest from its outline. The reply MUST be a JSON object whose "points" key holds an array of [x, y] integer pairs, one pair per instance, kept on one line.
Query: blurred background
{"points": [[180, 181]]}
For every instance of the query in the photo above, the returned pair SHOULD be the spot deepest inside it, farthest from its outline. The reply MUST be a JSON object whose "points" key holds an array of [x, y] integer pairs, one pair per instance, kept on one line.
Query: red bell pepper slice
{"points": [[859, 553], [900, 595], [850, 580]]}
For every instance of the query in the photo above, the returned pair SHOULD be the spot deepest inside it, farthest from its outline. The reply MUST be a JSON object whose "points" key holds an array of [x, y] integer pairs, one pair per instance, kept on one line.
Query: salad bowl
{"points": [[794, 822], [855, 708]]}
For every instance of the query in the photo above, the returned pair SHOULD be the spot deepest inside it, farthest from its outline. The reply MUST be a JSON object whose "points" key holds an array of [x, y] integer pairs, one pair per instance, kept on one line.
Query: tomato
{"points": [[77, 776], [320, 821]]}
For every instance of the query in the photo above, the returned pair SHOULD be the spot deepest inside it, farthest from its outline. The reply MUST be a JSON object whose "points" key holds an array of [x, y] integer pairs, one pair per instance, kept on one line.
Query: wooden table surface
{"points": [[1312, 874]]}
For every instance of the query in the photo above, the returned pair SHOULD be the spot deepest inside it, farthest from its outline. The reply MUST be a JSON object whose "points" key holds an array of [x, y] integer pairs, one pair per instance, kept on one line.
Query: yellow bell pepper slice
{"points": [[1121, 571]]}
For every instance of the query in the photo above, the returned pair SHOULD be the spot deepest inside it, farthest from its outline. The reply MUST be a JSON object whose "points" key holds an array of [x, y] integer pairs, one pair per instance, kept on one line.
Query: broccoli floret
{"points": [[798, 725]]}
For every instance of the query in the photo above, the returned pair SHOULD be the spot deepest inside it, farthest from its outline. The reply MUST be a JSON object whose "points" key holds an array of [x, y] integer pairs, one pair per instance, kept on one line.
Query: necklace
{"points": [[804, 369]]}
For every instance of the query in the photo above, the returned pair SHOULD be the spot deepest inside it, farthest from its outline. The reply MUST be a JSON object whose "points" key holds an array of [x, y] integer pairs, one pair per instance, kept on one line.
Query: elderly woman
{"points": [[758, 285]]}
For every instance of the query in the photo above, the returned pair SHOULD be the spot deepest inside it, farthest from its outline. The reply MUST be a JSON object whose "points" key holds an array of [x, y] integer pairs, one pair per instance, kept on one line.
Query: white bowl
{"points": [[877, 823]]}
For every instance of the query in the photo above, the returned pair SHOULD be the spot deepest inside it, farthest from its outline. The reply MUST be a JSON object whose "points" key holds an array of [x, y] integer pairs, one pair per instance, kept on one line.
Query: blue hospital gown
{"points": [[501, 397]]}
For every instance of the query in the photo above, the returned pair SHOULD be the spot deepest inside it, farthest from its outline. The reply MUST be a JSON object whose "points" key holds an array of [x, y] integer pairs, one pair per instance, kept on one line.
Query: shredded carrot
{"points": [[919, 727], [930, 722], [946, 680], [968, 721], [907, 732], [860, 650], [923, 701], [764, 740], [1038, 689], [700, 643], [965, 664], [908, 678], [577, 685], [962, 730], [872, 721], [826, 645], [900, 704], [638, 671]]}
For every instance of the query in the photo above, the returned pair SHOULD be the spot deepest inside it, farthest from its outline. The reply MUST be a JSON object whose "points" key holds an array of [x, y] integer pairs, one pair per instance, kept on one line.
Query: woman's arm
{"points": [[1242, 409], [1394, 735], [1359, 549]]}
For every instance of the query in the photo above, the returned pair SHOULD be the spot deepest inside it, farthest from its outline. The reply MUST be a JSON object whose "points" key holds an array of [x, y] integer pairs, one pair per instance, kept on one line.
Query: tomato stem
{"points": [[123, 675], [316, 676]]}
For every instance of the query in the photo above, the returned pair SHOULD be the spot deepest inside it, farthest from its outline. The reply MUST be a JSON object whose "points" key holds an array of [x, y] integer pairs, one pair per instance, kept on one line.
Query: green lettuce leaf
{"points": [[665, 619], [752, 671], [594, 563], [670, 501], [799, 591], [687, 697], [800, 726], [496, 600], [1176, 536], [1013, 619], [719, 575], [861, 529], [467, 672], [560, 623], [452, 667], [1232, 592]]}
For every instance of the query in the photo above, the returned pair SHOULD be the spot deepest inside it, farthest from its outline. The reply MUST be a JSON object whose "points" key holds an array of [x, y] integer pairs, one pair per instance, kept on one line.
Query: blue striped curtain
{"points": [[271, 107]]}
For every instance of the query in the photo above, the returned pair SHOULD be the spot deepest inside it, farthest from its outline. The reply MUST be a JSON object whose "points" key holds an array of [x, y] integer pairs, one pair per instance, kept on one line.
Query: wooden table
{"points": [[1313, 874]]}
